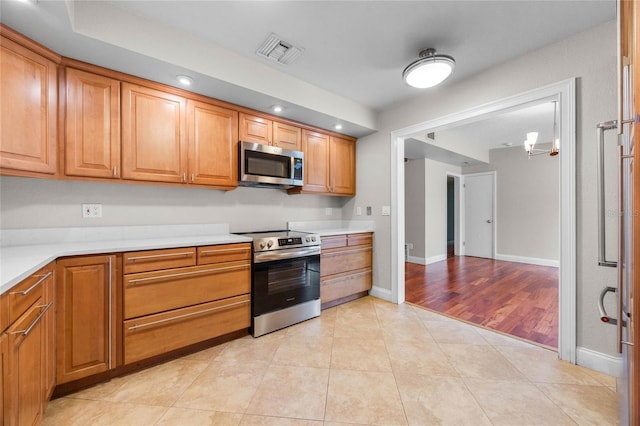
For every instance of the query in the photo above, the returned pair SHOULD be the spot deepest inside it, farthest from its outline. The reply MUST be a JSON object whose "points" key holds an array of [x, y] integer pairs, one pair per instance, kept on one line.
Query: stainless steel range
{"points": [[285, 285]]}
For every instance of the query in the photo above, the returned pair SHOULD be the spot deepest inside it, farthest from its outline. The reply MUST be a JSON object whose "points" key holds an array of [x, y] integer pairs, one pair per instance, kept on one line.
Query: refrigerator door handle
{"points": [[602, 255], [604, 317]]}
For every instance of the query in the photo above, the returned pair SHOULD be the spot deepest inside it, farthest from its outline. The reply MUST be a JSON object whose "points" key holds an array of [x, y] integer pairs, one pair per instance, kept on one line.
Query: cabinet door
{"points": [[92, 141], [153, 135], [86, 320], [24, 385], [342, 158], [49, 336], [4, 378], [213, 148], [255, 129], [28, 111], [316, 161], [287, 136]]}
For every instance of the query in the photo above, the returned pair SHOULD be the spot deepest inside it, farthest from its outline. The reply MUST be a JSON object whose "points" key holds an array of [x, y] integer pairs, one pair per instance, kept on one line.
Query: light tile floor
{"points": [[365, 362]]}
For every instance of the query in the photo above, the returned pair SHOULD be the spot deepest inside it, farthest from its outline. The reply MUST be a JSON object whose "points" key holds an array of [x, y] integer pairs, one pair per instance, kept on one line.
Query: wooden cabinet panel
{"points": [[157, 334], [155, 260], [152, 292], [4, 378], [255, 129], [92, 139], [346, 264], [335, 262], [334, 241], [345, 285], [212, 140], [154, 146], [342, 160], [359, 239], [224, 253], [287, 136], [28, 83], [49, 342], [316, 161], [86, 320], [27, 292], [24, 392]]}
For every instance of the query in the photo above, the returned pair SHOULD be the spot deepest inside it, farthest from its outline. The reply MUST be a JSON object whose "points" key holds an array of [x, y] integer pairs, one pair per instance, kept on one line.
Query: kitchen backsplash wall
{"points": [[42, 203]]}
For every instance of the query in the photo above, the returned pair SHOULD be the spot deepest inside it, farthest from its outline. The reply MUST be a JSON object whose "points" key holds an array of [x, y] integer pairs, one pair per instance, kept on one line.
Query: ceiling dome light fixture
{"points": [[429, 70]]}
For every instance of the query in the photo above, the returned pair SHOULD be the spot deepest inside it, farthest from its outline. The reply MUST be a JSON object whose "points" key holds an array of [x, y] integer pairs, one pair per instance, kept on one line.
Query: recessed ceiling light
{"points": [[184, 80], [338, 126], [277, 108]]}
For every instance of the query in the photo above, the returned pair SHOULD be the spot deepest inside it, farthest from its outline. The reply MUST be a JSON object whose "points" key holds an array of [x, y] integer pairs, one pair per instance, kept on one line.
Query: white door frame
{"points": [[463, 213], [565, 92]]}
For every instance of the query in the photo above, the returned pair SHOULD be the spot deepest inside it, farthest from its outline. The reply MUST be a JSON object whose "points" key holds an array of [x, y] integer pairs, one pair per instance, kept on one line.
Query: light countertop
{"points": [[23, 252]]}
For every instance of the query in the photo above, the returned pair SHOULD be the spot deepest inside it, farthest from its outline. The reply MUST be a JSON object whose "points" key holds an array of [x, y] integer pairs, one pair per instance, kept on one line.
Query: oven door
{"points": [[284, 281]]}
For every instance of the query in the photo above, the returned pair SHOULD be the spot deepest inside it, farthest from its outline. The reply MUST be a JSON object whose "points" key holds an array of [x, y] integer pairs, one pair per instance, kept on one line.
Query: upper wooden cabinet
{"points": [[154, 142], [212, 136], [92, 138], [329, 165], [28, 111], [261, 130], [342, 166]]}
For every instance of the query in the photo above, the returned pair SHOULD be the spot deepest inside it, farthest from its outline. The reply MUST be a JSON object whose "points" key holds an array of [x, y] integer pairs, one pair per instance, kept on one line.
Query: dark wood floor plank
{"points": [[514, 298]]}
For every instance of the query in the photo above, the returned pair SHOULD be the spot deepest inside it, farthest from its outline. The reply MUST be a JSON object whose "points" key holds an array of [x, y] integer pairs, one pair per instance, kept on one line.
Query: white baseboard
{"points": [[529, 260], [381, 293], [434, 259], [607, 364], [427, 261], [418, 260]]}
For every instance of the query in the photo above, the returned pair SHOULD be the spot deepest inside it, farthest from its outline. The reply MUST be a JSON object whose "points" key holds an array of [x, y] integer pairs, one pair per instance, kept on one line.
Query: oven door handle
{"points": [[268, 256]]}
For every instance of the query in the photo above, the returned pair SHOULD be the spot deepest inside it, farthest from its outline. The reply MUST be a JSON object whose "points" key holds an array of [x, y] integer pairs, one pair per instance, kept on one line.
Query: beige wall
{"points": [[414, 202], [527, 203], [596, 101], [41, 203]]}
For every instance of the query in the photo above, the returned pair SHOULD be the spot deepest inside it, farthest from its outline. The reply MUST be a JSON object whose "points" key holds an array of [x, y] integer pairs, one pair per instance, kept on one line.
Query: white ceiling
{"points": [[354, 51]]}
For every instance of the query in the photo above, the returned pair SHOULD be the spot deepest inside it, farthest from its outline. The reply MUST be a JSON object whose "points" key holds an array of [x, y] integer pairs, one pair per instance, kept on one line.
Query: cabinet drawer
{"points": [[359, 239], [27, 292], [339, 261], [224, 253], [334, 241], [153, 292], [156, 334], [154, 260], [345, 285]]}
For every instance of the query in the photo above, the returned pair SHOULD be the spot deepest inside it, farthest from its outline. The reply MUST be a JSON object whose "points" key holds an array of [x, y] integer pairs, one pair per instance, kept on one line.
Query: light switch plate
{"points": [[368, 210], [386, 210], [358, 211], [328, 211]]}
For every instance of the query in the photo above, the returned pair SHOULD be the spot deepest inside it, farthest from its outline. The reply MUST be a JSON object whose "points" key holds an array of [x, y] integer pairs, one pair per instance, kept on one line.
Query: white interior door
{"points": [[478, 215]]}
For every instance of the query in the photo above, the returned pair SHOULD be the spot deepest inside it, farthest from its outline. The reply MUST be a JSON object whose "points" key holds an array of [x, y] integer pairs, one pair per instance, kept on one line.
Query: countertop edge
{"points": [[30, 258]]}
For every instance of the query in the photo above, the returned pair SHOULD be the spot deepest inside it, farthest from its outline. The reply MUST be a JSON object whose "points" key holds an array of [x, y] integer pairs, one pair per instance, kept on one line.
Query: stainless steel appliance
{"points": [[270, 166], [285, 287]]}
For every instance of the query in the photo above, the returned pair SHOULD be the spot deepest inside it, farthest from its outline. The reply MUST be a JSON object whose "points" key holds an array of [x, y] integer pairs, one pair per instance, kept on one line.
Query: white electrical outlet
{"points": [[328, 211], [386, 210], [91, 210], [358, 211]]}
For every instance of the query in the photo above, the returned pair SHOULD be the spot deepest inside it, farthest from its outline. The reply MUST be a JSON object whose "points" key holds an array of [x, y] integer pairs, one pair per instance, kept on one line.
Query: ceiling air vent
{"points": [[279, 50]]}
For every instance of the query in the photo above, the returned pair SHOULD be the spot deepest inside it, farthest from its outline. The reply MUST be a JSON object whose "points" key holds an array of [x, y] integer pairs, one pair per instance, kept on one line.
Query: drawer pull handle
{"points": [[27, 291], [158, 256], [224, 250], [204, 311], [182, 274], [27, 330]]}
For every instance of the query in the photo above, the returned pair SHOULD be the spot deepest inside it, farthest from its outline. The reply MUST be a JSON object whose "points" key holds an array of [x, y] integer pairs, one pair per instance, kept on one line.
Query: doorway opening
{"points": [[564, 92]]}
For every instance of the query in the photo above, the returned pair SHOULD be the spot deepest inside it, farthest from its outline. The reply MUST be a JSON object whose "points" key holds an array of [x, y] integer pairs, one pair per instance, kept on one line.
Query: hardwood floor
{"points": [[514, 298]]}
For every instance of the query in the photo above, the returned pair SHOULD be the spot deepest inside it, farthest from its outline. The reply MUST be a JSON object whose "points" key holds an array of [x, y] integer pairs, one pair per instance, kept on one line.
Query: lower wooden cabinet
{"points": [[86, 320], [25, 355], [345, 268], [173, 307]]}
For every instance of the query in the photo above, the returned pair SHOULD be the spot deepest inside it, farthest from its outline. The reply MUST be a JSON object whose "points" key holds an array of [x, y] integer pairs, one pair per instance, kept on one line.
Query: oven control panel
{"points": [[289, 241]]}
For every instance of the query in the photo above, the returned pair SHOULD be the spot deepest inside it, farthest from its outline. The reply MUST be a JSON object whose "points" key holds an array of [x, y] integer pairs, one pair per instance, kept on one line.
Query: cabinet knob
{"points": [[184, 177], [115, 171]]}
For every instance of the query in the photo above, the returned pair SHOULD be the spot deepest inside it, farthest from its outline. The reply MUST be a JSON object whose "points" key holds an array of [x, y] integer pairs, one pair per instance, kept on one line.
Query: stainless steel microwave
{"points": [[269, 166]]}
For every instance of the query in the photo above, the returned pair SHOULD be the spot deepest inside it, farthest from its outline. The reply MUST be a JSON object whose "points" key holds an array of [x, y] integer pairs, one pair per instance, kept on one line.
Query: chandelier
{"points": [[532, 137]]}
